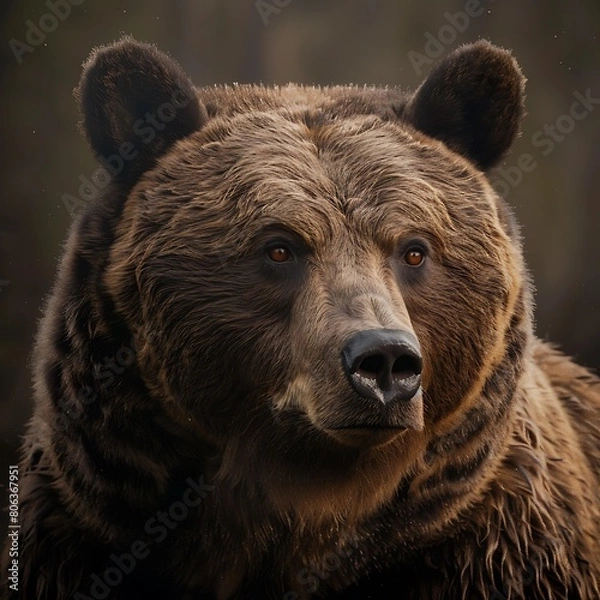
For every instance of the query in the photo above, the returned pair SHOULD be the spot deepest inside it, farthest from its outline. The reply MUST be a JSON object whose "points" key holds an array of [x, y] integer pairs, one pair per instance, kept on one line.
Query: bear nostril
{"points": [[406, 366], [371, 366]]}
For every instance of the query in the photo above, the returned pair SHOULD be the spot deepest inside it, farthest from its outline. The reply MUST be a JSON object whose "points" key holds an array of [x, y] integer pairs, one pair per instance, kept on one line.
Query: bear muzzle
{"points": [[383, 367]]}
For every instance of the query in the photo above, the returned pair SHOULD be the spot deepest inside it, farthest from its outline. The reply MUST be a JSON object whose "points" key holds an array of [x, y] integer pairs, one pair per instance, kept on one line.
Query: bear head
{"points": [[323, 298]]}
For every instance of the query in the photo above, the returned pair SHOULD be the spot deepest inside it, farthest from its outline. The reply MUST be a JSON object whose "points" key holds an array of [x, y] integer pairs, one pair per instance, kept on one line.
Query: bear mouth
{"points": [[361, 435], [375, 425], [367, 427]]}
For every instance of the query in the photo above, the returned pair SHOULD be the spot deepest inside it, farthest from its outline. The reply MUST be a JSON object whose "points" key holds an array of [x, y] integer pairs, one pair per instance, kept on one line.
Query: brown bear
{"points": [[289, 354]]}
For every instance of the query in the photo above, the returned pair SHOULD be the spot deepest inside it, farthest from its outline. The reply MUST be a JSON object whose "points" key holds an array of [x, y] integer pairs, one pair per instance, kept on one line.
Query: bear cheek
{"points": [[451, 377]]}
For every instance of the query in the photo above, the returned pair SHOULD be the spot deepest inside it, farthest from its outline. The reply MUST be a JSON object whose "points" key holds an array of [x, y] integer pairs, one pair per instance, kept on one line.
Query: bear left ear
{"points": [[473, 102], [135, 102]]}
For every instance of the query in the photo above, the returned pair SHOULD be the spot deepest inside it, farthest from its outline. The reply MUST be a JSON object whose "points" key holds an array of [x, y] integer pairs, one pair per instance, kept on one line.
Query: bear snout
{"points": [[383, 368]]}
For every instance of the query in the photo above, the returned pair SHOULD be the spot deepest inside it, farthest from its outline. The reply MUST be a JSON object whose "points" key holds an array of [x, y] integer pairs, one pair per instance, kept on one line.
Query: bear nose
{"points": [[383, 364]]}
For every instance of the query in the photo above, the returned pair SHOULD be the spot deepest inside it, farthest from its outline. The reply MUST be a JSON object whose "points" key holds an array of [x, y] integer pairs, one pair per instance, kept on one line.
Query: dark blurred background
{"points": [[310, 41]]}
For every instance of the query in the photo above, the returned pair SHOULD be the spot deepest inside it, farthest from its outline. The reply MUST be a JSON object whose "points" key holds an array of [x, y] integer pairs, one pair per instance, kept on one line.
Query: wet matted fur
{"points": [[195, 434]]}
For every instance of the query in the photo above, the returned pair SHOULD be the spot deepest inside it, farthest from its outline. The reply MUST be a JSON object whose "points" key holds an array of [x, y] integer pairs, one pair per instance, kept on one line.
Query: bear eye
{"points": [[414, 256], [279, 254]]}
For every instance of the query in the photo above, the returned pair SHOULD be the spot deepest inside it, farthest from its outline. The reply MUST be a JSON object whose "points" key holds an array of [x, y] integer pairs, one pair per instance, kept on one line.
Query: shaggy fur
{"points": [[195, 435]]}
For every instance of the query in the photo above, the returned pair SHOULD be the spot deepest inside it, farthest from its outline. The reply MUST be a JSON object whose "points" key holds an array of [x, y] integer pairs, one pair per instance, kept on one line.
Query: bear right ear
{"points": [[473, 102], [135, 102]]}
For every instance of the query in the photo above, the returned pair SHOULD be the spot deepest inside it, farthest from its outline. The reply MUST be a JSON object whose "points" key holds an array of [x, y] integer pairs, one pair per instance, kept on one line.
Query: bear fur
{"points": [[195, 434]]}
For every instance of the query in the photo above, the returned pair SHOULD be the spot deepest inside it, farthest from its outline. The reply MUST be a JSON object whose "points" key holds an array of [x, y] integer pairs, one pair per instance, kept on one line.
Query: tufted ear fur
{"points": [[135, 101], [473, 102]]}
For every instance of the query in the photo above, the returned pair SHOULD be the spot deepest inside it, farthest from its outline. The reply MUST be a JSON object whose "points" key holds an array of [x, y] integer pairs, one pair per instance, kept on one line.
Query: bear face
{"points": [[346, 202], [253, 249], [313, 298]]}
